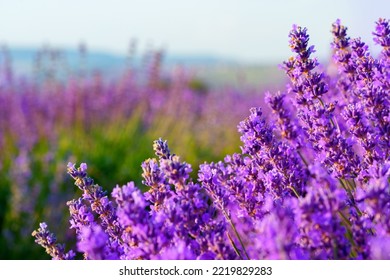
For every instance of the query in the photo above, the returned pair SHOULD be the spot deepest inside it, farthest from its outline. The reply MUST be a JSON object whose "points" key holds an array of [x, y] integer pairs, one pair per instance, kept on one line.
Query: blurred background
{"points": [[98, 81], [219, 36]]}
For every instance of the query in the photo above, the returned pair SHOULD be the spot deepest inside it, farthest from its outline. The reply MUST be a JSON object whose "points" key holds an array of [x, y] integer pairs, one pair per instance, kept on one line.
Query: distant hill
{"points": [[102, 60], [210, 68]]}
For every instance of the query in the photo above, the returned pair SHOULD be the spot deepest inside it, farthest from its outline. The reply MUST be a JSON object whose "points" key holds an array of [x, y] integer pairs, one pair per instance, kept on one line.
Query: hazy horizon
{"points": [[250, 31]]}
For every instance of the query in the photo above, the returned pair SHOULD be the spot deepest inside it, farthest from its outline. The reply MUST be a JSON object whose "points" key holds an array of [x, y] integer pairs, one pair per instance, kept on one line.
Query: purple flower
{"points": [[380, 246], [286, 172], [286, 123], [80, 215], [161, 149], [368, 83], [311, 184], [278, 235], [176, 172], [382, 34], [95, 245], [316, 115], [96, 199], [179, 252], [48, 241], [322, 233]]}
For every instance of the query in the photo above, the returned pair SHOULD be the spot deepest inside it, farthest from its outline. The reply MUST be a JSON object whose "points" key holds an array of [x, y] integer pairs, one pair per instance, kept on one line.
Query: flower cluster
{"points": [[311, 182], [44, 111], [173, 220]]}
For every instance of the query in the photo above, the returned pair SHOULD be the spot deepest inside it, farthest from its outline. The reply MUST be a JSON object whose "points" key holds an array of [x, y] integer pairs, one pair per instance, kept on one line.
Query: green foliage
{"points": [[116, 148]]}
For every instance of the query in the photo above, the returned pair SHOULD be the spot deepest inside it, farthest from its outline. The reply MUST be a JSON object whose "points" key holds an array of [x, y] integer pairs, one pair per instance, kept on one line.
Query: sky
{"points": [[251, 31]]}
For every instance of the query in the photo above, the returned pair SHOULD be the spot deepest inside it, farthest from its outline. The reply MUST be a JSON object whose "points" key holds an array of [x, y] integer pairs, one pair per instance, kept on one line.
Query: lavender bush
{"points": [[311, 183], [50, 119]]}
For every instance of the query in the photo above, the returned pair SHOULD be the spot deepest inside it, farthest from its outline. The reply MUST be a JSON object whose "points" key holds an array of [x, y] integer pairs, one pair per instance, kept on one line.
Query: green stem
{"points": [[342, 184], [350, 196], [234, 246], [294, 191], [353, 183], [344, 218], [236, 233], [303, 159], [349, 185], [333, 121]]}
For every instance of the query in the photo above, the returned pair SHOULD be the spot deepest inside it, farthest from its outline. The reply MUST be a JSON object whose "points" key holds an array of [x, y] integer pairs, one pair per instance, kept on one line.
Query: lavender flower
{"points": [[316, 115], [363, 132], [95, 245], [48, 241], [161, 149], [278, 236], [368, 87], [96, 198], [382, 35], [322, 234], [291, 193], [277, 159], [380, 248], [286, 123], [81, 215]]}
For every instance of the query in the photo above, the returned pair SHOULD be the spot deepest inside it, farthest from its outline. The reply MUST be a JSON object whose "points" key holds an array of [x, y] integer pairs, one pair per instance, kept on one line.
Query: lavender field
{"points": [[156, 164]]}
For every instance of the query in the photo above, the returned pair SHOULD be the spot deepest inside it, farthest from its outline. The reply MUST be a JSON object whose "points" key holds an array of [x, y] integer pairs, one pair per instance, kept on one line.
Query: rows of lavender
{"points": [[48, 119], [311, 181]]}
